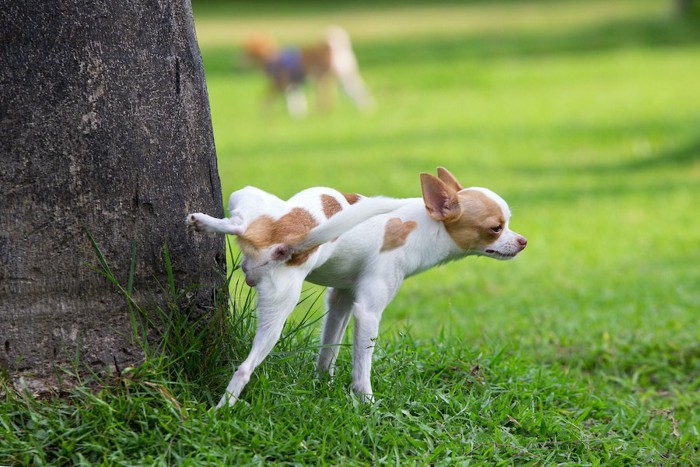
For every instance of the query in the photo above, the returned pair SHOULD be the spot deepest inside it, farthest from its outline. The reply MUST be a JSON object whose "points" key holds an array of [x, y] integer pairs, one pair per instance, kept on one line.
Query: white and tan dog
{"points": [[331, 60], [362, 248]]}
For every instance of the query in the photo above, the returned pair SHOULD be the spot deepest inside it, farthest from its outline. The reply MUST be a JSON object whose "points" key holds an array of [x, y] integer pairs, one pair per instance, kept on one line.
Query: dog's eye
{"points": [[497, 229]]}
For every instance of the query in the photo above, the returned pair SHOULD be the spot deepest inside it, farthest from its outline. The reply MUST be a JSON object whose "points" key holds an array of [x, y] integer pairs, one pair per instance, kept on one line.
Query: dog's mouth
{"points": [[249, 280], [500, 255]]}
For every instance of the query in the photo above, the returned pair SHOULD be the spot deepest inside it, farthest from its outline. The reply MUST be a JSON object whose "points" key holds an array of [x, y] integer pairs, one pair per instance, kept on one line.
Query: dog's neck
{"points": [[430, 244]]}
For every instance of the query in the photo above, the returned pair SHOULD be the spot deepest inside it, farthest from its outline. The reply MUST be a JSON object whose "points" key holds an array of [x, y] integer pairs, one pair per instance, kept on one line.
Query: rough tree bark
{"points": [[104, 126]]}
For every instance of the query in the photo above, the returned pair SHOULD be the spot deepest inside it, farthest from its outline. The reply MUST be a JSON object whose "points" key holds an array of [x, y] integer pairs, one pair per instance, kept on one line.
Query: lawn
{"points": [[585, 350]]}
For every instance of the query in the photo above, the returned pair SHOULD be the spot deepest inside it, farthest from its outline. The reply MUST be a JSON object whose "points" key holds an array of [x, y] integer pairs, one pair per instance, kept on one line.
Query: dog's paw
{"points": [[227, 400], [196, 221], [363, 392]]}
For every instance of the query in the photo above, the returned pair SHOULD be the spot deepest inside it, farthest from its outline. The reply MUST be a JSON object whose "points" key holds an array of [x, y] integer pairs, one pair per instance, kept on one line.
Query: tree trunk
{"points": [[104, 127]]}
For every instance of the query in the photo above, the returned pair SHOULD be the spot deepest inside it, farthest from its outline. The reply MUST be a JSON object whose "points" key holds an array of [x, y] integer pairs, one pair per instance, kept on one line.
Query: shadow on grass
{"points": [[618, 179], [648, 32], [304, 8], [686, 154], [683, 155]]}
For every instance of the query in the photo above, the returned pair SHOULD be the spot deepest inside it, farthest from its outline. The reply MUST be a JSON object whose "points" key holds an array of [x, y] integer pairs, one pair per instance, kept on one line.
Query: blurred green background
{"points": [[583, 115]]}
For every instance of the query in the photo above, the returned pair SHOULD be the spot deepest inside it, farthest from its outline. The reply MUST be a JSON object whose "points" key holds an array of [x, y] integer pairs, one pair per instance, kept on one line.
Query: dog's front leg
{"points": [[296, 101], [276, 302], [371, 298]]}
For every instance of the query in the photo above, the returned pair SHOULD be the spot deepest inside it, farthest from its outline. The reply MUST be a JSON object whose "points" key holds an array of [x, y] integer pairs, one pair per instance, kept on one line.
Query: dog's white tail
{"points": [[348, 218]]}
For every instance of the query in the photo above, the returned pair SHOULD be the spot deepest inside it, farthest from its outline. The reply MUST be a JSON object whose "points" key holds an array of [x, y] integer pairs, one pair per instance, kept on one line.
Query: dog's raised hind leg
{"points": [[205, 223]]}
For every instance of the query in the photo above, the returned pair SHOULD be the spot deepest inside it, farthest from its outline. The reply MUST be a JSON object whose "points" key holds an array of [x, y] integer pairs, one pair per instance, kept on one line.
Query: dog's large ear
{"points": [[440, 199], [449, 179]]}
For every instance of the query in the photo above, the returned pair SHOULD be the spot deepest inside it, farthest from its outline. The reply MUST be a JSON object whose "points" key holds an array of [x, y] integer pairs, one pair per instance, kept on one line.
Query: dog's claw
{"points": [[194, 223]]}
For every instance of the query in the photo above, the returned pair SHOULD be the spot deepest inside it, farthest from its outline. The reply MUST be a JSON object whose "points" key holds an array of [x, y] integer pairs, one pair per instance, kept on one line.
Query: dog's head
{"points": [[259, 263], [260, 48], [475, 218]]}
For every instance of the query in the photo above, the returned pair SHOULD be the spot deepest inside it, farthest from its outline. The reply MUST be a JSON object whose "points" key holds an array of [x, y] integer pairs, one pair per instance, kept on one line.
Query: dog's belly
{"points": [[335, 272], [342, 262]]}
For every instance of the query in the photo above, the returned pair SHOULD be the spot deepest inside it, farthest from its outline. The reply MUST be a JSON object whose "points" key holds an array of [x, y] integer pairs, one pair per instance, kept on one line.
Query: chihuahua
{"points": [[361, 248], [288, 69]]}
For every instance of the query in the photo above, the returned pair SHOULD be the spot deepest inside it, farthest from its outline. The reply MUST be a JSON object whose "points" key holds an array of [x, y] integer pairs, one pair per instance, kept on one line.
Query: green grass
{"points": [[583, 351]]}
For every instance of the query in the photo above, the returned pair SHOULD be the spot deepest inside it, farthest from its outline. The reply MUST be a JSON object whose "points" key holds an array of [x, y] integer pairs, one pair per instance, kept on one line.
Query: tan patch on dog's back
{"points": [[472, 228], [396, 232], [290, 228], [330, 205], [351, 198], [317, 60]]}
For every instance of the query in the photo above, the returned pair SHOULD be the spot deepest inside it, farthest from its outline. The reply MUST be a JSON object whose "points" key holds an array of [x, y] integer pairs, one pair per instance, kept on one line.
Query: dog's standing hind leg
{"points": [[339, 304]]}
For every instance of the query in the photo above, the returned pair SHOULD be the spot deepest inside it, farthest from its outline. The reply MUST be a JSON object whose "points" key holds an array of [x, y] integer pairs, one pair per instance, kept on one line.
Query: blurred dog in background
{"points": [[322, 64]]}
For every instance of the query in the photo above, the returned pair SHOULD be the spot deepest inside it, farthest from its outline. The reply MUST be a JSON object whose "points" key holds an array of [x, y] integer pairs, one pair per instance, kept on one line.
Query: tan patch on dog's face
{"points": [[351, 198], [290, 228], [330, 205], [480, 222], [396, 232]]}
